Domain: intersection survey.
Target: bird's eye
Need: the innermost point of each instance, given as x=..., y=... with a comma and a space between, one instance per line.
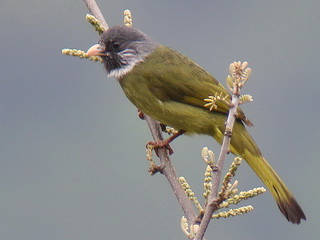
x=116, y=45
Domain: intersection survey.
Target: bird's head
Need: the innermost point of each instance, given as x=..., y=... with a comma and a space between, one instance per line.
x=121, y=49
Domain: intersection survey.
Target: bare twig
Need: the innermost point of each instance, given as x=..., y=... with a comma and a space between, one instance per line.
x=214, y=200
x=169, y=172
x=95, y=11
x=167, y=168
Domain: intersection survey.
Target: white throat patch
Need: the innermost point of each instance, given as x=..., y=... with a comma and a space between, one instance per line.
x=120, y=72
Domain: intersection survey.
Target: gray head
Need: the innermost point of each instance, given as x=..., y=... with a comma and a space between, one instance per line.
x=121, y=48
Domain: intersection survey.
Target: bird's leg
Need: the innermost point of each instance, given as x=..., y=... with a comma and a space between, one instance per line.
x=162, y=143
x=162, y=126
x=165, y=143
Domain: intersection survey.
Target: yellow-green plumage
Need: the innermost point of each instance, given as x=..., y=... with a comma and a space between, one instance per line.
x=171, y=88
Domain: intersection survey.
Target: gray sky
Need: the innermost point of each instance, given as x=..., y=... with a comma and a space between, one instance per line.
x=72, y=156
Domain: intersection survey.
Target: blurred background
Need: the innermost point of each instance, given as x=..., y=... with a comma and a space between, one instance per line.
x=72, y=149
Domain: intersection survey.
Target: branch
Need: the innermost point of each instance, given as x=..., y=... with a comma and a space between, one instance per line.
x=171, y=175
x=237, y=71
x=167, y=170
x=95, y=11
x=197, y=224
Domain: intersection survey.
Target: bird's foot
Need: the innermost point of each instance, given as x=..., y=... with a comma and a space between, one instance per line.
x=161, y=144
x=165, y=143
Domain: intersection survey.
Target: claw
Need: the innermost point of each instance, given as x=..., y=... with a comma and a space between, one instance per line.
x=160, y=144
x=165, y=143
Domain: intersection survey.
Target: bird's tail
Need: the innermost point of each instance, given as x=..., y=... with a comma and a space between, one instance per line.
x=242, y=144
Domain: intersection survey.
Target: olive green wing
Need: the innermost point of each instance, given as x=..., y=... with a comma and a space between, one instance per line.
x=184, y=81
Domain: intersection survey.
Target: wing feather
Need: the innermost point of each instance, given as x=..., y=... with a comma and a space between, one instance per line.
x=184, y=81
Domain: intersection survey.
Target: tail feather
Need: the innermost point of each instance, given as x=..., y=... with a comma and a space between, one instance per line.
x=284, y=198
x=242, y=144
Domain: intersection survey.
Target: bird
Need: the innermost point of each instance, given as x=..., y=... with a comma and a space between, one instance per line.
x=171, y=88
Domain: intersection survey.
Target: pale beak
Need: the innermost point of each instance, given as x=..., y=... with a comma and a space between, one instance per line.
x=96, y=50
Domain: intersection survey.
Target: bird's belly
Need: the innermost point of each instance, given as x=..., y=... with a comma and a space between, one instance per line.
x=178, y=115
